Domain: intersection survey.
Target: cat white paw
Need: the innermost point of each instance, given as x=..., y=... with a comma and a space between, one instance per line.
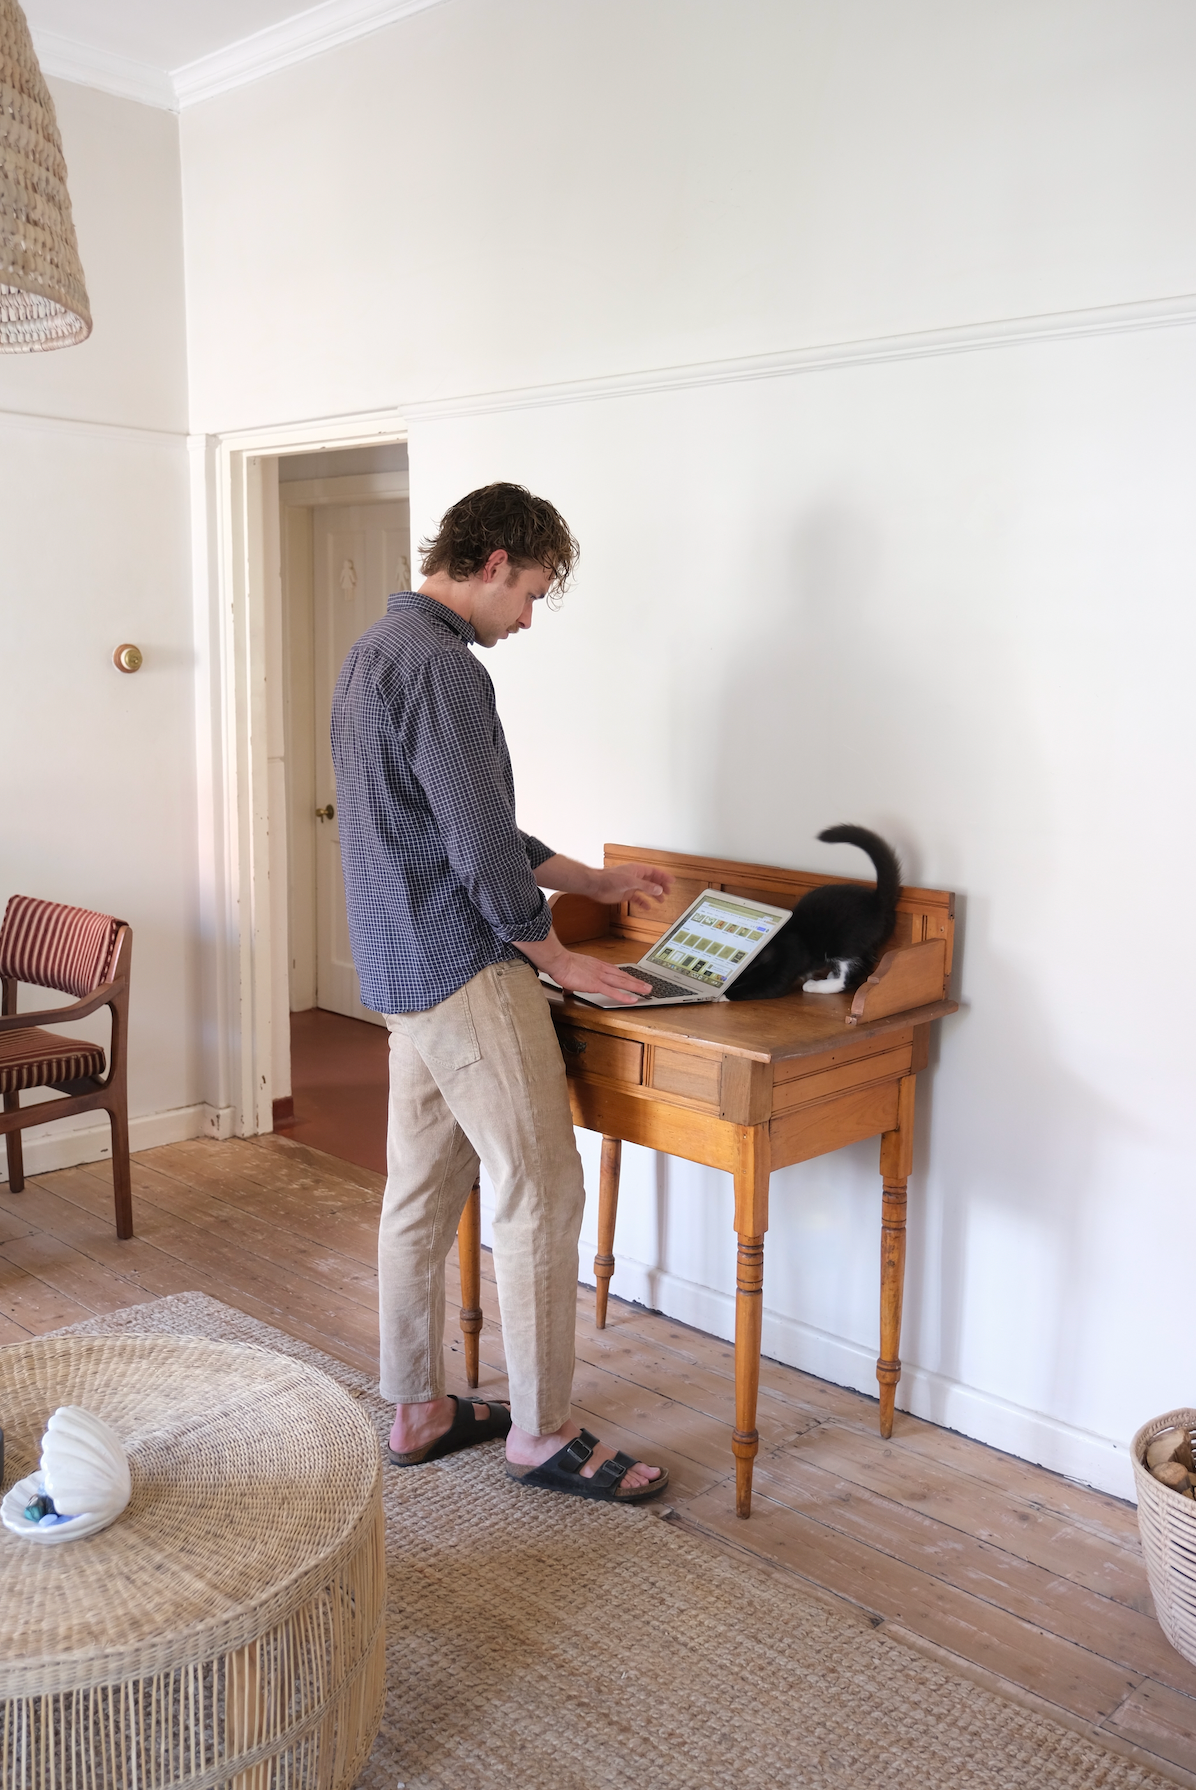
x=832, y=985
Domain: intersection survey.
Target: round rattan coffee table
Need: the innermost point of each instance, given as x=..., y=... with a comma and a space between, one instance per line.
x=227, y=1630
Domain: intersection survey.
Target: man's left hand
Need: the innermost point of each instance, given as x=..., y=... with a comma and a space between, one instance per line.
x=622, y=881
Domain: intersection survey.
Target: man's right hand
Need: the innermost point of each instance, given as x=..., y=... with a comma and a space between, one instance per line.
x=589, y=975
x=583, y=975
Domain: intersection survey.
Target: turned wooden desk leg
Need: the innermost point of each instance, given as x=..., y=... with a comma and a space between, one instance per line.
x=896, y=1159
x=469, y=1257
x=608, y=1208
x=751, y=1222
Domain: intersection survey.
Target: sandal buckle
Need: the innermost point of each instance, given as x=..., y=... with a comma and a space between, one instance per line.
x=576, y=1453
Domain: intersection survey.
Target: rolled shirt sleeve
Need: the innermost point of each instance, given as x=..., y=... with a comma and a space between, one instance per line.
x=537, y=852
x=439, y=878
x=454, y=746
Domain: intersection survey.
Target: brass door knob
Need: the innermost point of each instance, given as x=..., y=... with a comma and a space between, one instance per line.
x=325, y=813
x=127, y=657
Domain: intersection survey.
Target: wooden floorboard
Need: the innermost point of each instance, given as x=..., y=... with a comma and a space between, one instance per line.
x=1021, y=1579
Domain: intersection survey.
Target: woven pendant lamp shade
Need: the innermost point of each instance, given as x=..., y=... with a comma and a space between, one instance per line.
x=43, y=300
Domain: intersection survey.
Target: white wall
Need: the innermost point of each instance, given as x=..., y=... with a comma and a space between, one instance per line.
x=949, y=596
x=947, y=601
x=494, y=195
x=124, y=181
x=100, y=803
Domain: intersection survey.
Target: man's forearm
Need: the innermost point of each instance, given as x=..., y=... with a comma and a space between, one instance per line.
x=584, y=975
x=613, y=883
x=546, y=954
x=567, y=875
x=576, y=970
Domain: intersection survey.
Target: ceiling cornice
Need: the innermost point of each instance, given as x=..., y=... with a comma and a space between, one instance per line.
x=71, y=61
x=321, y=28
x=308, y=34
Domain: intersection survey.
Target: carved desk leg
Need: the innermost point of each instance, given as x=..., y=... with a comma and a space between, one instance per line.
x=896, y=1159
x=469, y=1258
x=608, y=1207
x=751, y=1222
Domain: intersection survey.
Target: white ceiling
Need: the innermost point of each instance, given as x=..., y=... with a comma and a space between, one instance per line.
x=175, y=52
x=165, y=33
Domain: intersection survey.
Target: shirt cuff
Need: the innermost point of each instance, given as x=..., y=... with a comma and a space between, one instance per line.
x=533, y=931
x=537, y=852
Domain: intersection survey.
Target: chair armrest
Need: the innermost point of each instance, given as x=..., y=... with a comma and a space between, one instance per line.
x=102, y=996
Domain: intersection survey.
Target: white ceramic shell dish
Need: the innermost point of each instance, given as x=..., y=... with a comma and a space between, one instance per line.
x=84, y=1469
x=12, y=1514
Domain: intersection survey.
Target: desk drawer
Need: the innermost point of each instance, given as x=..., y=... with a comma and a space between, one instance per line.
x=682, y=1072
x=801, y=1090
x=597, y=1053
x=829, y=1124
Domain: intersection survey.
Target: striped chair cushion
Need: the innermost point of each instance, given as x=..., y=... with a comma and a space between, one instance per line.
x=36, y=1059
x=67, y=948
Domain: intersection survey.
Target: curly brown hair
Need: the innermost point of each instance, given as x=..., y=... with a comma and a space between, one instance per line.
x=503, y=516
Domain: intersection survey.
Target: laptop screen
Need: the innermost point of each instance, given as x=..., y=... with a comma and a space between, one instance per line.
x=715, y=937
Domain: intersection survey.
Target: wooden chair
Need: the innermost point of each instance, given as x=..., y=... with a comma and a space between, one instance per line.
x=72, y=951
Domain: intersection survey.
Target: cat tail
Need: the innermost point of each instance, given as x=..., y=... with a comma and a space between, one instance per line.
x=885, y=861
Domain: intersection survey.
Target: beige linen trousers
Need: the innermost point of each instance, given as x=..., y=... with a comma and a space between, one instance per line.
x=480, y=1077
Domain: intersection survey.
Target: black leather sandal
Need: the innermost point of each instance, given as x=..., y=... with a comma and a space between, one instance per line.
x=464, y=1431
x=562, y=1473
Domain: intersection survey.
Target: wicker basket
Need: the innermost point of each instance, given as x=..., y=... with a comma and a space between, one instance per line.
x=1167, y=1524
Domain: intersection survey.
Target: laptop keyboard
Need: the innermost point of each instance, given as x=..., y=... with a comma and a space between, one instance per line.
x=659, y=986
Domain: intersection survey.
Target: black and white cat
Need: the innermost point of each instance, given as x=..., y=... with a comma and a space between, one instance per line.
x=832, y=939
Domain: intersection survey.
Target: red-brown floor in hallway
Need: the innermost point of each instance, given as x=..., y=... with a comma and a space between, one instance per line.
x=339, y=1085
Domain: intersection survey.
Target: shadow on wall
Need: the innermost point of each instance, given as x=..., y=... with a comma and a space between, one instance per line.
x=844, y=692
x=1017, y=1174
x=781, y=678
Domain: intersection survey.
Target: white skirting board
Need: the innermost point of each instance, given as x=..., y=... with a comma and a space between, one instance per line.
x=1045, y=1441
x=54, y=1146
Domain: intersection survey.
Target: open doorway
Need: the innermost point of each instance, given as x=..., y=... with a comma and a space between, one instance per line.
x=345, y=524
x=345, y=546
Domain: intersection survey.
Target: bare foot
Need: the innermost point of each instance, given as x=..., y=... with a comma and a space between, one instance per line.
x=418, y=1426
x=526, y=1450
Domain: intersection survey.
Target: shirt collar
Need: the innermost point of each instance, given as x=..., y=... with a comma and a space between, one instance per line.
x=438, y=612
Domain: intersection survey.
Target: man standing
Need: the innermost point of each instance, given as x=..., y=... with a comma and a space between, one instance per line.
x=449, y=927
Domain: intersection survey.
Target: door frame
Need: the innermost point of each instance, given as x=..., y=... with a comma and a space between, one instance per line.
x=300, y=500
x=242, y=860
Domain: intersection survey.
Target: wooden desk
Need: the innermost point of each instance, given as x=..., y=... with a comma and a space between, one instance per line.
x=752, y=1086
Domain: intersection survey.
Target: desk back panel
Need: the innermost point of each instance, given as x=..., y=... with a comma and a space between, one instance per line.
x=922, y=914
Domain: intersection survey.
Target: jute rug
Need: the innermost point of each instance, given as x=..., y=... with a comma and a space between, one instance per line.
x=540, y=1643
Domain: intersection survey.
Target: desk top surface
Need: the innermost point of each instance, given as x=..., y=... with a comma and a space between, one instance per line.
x=796, y=1025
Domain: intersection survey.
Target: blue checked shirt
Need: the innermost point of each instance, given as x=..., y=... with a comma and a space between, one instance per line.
x=438, y=877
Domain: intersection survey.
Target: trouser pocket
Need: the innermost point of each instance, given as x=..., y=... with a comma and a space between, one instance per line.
x=446, y=1035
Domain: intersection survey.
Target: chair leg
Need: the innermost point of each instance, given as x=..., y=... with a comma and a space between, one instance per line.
x=469, y=1257
x=16, y=1156
x=122, y=1181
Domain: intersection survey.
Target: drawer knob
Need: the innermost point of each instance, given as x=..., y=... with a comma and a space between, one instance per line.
x=575, y=1046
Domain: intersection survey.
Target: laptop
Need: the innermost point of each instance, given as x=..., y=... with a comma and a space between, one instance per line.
x=701, y=954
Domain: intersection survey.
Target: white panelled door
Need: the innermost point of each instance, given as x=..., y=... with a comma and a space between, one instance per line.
x=362, y=553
